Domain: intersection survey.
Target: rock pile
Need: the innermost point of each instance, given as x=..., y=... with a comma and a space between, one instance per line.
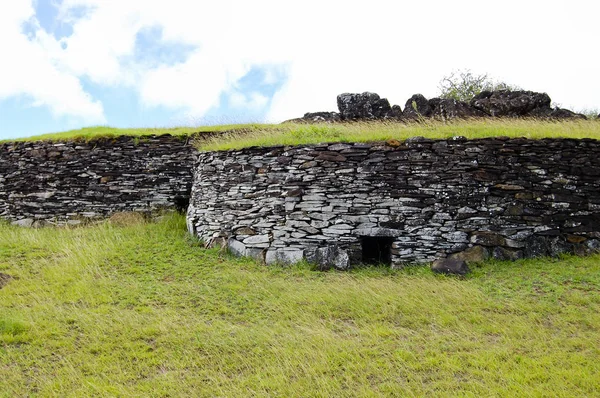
x=502, y=103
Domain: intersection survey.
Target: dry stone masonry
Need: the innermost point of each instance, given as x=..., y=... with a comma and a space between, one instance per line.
x=67, y=182
x=400, y=203
x=453, y=201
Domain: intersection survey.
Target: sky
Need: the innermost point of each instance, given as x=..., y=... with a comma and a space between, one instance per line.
x=67, y=64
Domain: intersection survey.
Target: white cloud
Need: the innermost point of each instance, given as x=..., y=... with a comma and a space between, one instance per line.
x=395, y=48
x=253, y=101
x=28, y=69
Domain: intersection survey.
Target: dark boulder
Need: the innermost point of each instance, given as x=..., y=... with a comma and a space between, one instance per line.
x=363, y=106
x=560, y=113
x=512, y=103
x=537, y=246
x=416, y=106
x=442, y=108
x=450, y=266
x=396, y=112
x=503, y=254
x=472, y=255
x=556, y=113
x=322, y=117
x=317, y=117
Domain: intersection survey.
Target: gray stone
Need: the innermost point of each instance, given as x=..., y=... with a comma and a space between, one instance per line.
x=256, y=253
x=284, y=256
x=363, y=106
x=257, y=239
x=502, y=254
x=329, y=257
x=236, y=247
x=487, y=239
x=26, y=223
x=537, y=246
x=416, y=106
x=512, y=103
x=456, y=237
x=245, y=231
x=450, y=266
x=447, y=109
x=593, y=245
x=378, y=232
x=472, y=255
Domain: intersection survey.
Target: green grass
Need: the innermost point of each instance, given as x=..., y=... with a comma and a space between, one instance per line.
x=89, y=133
x=247, y=135
x=296, y=134
x=144, y=310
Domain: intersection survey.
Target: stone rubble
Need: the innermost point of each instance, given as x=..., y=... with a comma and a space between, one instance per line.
x=502, y=103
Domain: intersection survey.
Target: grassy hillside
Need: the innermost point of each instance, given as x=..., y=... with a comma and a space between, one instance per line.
x=240, y=136
x=143, y=310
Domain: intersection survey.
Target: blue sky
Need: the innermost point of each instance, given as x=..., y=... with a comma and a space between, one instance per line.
x=151, y=63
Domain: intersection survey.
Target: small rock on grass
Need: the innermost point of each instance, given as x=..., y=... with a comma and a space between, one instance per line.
x=451, y=266
x=4, y=279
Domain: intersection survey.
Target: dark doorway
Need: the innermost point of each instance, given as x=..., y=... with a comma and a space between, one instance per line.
x=181, y=203
x=377, y=250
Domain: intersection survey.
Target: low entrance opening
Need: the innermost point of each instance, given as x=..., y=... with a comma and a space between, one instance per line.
x=377, y=250
x=181, y=203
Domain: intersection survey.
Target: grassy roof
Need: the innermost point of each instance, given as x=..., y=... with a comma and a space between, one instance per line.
x=297, y=134
x=247, y=135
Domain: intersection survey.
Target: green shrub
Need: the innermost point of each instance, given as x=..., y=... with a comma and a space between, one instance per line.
x=463, y=85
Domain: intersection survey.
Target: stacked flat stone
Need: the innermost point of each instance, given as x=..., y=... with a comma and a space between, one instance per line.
x=69, y=182
x=500, y=197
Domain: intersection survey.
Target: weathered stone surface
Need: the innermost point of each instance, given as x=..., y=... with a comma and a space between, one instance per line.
x=560, y=113
x=256, y=239
x=501, y=103
x=283, y=256
x=25, y=222
x=416, y=106
x=446, y=109
x=593, y=245
x=60, y=183
x=363, y=106
x=329, y=257
x=236, y=247
x=503, y=254
x=512, y=103
x=378, y=232
x=256, y=253
x=424, y=199
x=317, y=117
x=537, y=246
x=450, y=266
x=473, y=255
x=487, y=239
x=245, y=231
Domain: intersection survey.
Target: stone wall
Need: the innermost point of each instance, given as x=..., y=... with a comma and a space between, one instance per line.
x=399, y=203
x=65, y=182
